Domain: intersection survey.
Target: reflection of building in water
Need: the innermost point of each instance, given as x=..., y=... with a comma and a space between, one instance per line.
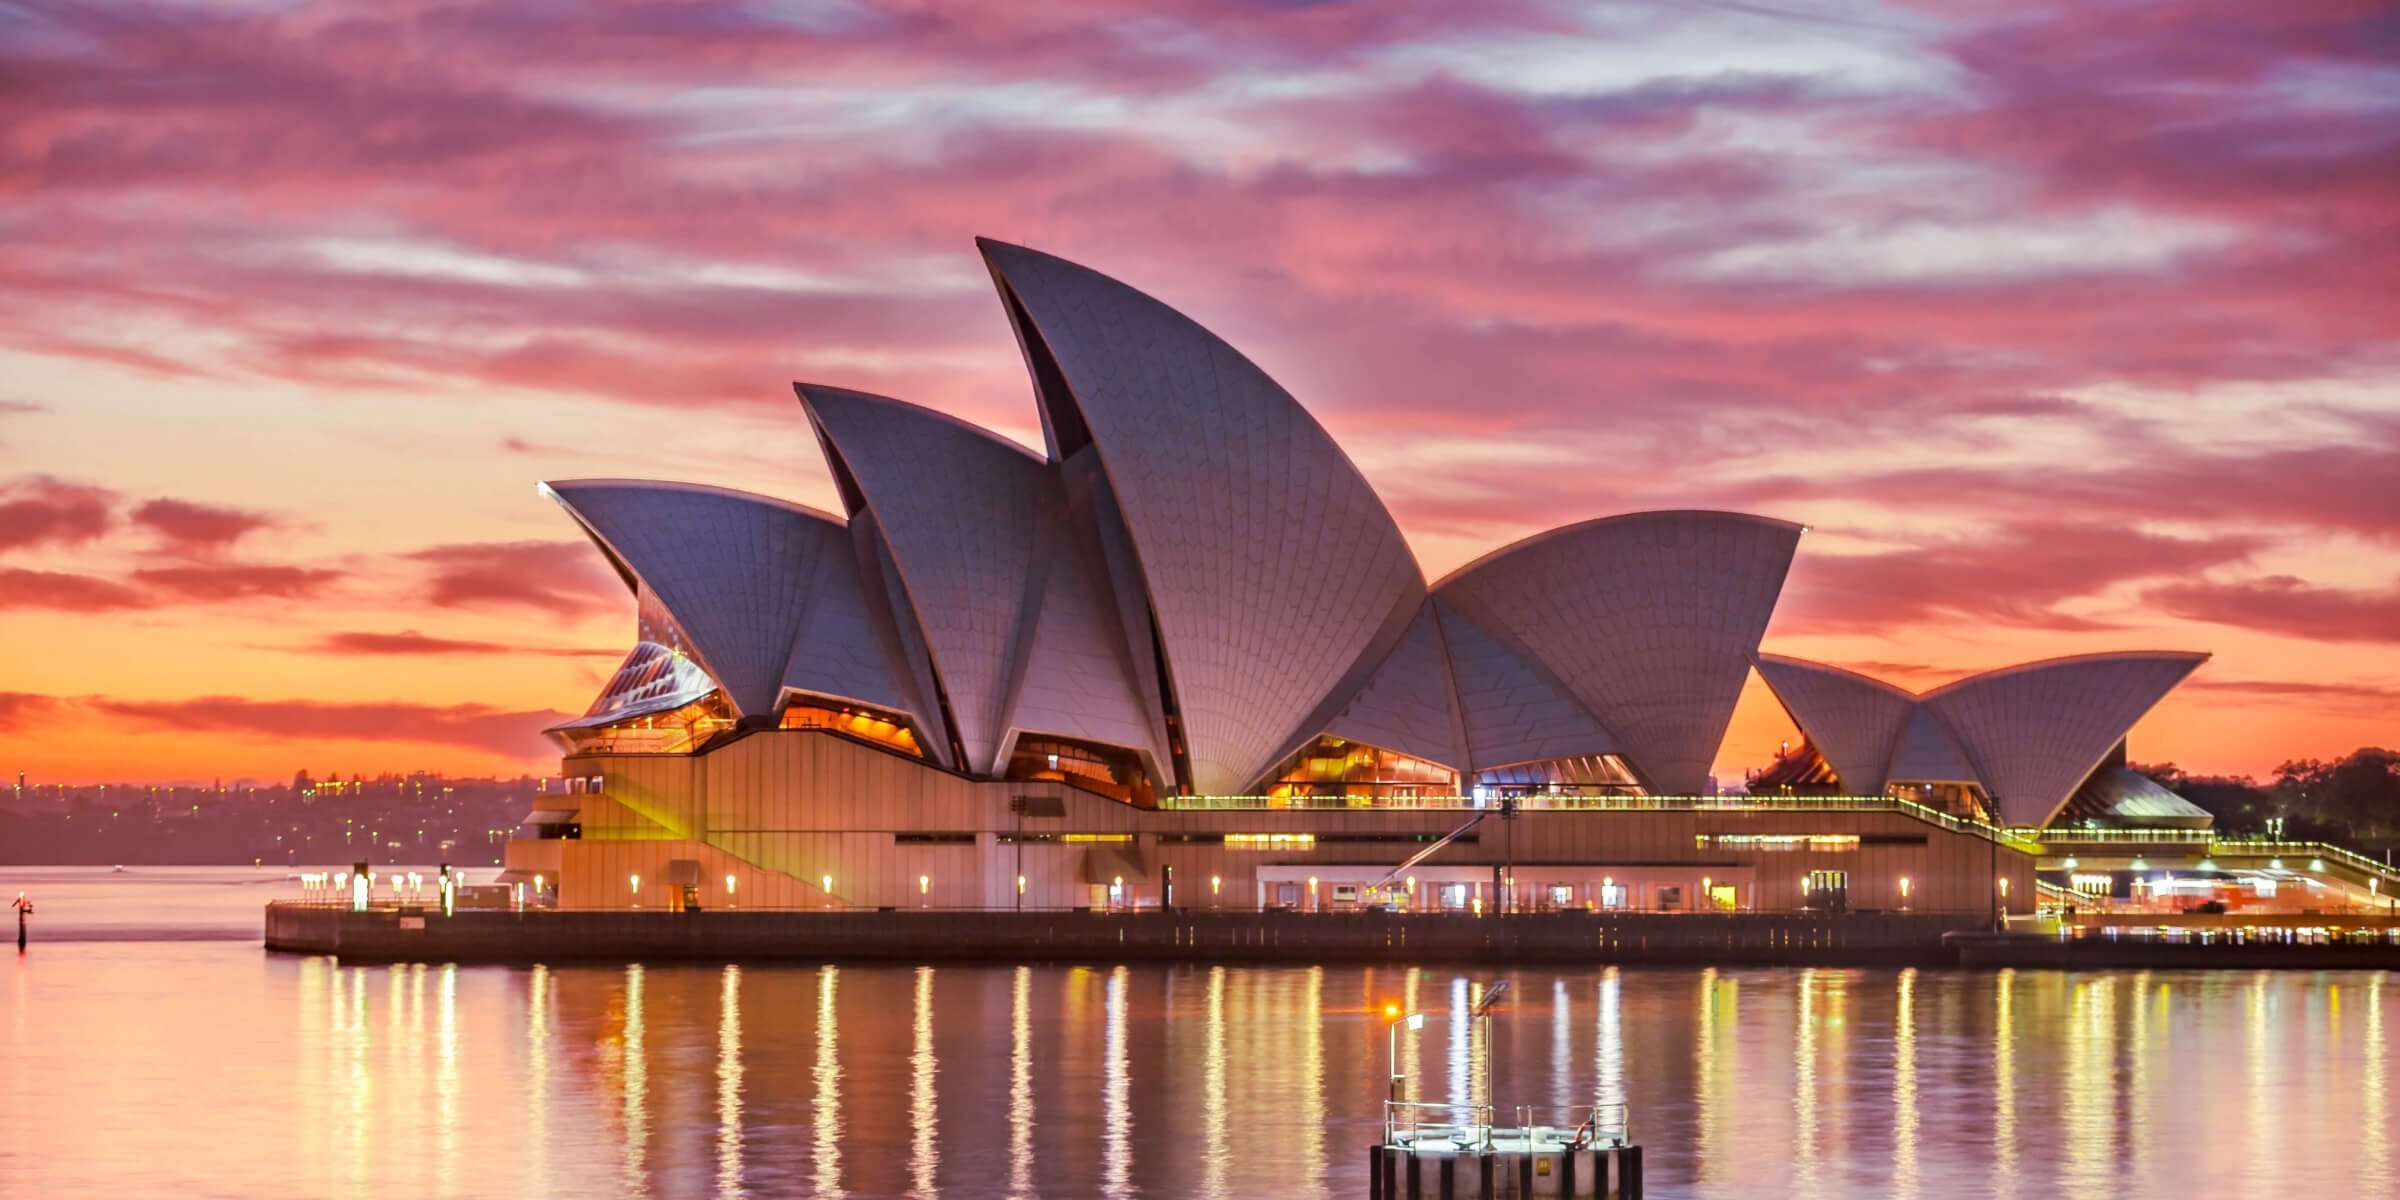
x=1188, y=647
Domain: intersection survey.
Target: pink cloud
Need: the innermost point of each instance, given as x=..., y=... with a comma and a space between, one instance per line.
x=2289, y=606
x=411, y=642
x=192, y=528
x=66, y=591
x=40, y=510
x=469, y=726
x=561, y=578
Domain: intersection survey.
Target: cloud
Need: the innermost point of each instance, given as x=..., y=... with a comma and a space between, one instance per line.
x=40, y=510
x=411, y=642
x=187, y=527
x=216, y=583
x=64, y=591
x=2019, y=575
x=562, y=578
x=2289, y=606
x=19, y=710
x=17, y=408
x=466, y=726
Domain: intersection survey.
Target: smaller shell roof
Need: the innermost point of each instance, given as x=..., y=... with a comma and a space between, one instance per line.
x=1649, y=619
x=733, y=569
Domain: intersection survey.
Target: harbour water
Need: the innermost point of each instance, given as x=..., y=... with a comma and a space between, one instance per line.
x=148, y=1046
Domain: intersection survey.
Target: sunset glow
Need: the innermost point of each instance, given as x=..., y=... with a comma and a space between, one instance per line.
x=2064, y=330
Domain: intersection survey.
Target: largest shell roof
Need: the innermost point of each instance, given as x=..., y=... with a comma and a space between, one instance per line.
x=1194, y=573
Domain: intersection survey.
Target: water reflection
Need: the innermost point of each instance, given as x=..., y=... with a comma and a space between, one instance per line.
x=828, y=1077
x=1116, y=1113
x=923, y=1115
x=1904, y=1086
x=635, y=1077
x=729, y=1084
x=1219, y=1081
x=1020, y=1078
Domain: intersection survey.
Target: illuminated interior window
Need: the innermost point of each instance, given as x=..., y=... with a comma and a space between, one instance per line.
x=1579, y=775
x=1103, y=770
x=1820, y=842
x=1331, y=766
x=1270, y=841
x=856, y=721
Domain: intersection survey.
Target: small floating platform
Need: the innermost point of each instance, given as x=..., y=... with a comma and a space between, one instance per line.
x=1456, y=1153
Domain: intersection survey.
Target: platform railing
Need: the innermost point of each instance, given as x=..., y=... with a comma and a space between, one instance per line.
x=1545, y=802
x=1573, y=1127
x=1413, y=1123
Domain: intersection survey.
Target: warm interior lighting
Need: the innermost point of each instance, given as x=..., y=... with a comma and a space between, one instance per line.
x=1020, y=885
x=1216, y=884
x=1270, y=841
x=886, y=730
x=924, y=884
x=1391, y=1012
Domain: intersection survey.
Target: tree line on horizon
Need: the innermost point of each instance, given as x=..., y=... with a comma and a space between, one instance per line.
x=2353, y=800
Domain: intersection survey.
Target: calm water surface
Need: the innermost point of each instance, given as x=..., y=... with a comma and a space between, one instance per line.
x=138, y=1057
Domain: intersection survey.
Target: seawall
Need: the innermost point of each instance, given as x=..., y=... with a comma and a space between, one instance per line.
x=485, y=936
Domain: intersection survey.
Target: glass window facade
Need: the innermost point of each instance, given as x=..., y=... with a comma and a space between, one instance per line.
x=1331, y=766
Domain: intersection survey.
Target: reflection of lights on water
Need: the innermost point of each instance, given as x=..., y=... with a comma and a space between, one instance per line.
x=828, y=1078
x=923, y=1112
x=2375, y=1101
x=1804, y=1086
x=538, y=988
x=637, y=1087
x=1020, y=1084
x=1212, y=1100
x=1116, y=1097
x=1904, y=1086
x=729, y=1079
x=2004, y=1082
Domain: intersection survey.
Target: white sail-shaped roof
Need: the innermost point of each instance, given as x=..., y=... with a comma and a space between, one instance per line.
x=2035, y=731
x=1650, y=619
x=1408, y=703
x=1275, y=574
x=963, y=511
x=845, y=647
x=732, y=568
x=1927, y=753
x=1513, y=711
x=1854, y=721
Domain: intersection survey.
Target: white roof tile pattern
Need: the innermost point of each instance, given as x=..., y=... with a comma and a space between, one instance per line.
x=842, y=650
x=1079, y=680
x=1407, y=704
x=1651, y=620
x=1927, y=753
x=1854, y=721
x=963, y=511
x=1513, y=711
x=904, y=643
x=1272, y=567
x=734, y=569
x=2035, y=731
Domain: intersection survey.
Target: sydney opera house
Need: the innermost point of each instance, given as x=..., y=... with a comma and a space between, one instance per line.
x=1186, y=656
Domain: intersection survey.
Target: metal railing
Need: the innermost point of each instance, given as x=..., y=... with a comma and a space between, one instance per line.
x=1554, y=1127
x=2022, y=839
x=1427, y=1124
x=2214, y=845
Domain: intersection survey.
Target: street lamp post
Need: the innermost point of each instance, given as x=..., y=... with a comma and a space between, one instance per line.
x=1415, y=1021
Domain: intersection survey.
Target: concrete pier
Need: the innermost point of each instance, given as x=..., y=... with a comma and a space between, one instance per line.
x=409, y=935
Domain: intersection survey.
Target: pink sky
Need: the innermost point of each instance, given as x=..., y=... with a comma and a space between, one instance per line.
x=2065, y=328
